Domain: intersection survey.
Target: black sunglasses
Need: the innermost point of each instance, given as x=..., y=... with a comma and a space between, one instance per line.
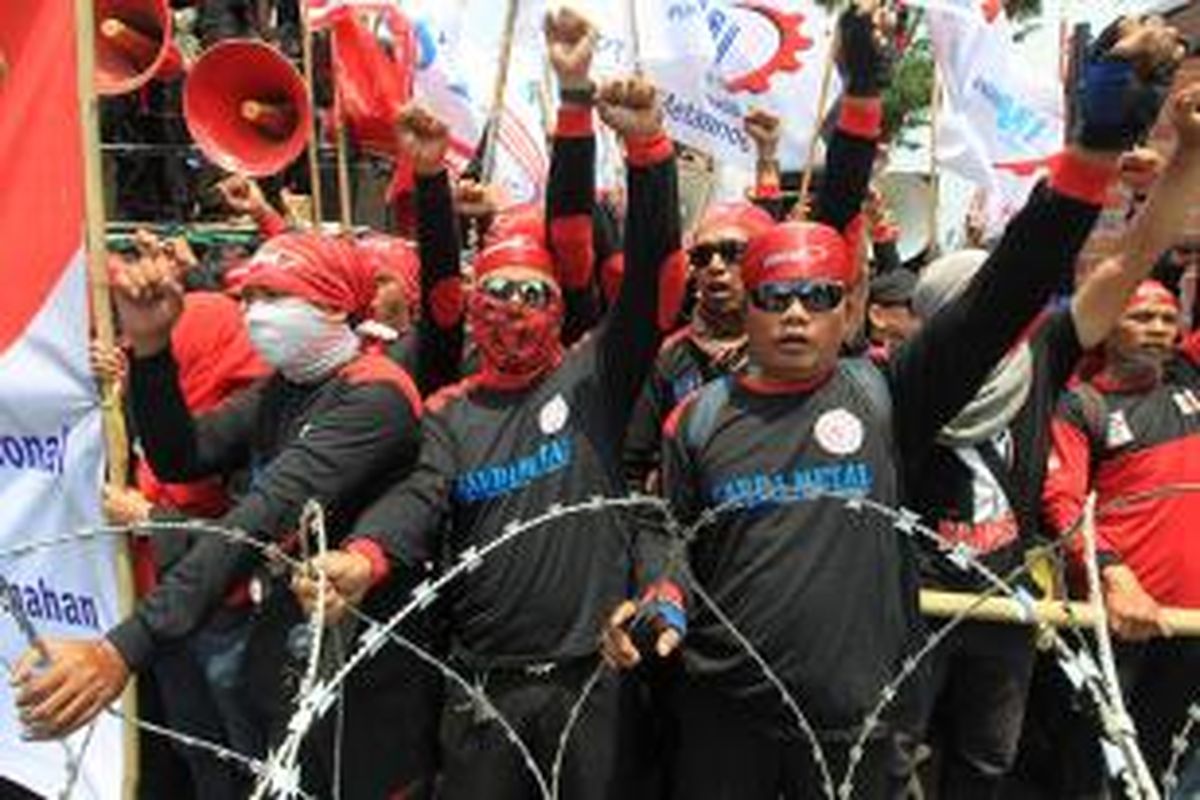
x=815, y=295
x=531, y=293
x=730, y=251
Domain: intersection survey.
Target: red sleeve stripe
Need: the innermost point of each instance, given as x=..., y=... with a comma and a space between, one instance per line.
x=575, y=122
x=446, y=302
x=648, y=151
x=1081, y=179
x=571, y=239
x=380, y=566
x=862, y=118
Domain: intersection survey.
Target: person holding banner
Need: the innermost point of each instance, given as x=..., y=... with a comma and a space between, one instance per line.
x=536, y=427
x=333, y=425
x=827, y=594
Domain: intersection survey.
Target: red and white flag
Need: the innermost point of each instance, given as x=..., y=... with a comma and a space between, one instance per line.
x=323, y=13
x=51, y=451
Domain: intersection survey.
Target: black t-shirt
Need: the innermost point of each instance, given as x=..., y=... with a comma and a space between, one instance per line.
x=956, y=489
x=680, y=369
x=492, y=457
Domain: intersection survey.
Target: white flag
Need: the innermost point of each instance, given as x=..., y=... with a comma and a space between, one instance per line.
x=1001, y=122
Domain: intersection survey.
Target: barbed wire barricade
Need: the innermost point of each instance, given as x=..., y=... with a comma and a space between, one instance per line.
x=320, y=687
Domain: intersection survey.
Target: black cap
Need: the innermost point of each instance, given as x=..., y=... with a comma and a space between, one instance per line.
x=894, y=287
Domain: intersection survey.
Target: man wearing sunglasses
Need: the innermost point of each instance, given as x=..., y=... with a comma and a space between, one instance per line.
x=536, y=427
x=712, y=345
x=824, y=589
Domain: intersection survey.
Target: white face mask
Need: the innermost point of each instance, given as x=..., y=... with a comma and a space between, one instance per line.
x=298, y=339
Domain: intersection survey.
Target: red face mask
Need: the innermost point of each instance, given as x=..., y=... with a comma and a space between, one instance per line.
x=517, y=343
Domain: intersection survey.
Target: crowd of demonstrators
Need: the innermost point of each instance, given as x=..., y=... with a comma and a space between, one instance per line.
x=430, y=391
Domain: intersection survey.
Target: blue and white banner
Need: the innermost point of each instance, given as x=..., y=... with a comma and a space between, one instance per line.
x=51, y=452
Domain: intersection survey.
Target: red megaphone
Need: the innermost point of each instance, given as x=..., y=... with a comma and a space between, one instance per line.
x=133, y=45
x=247, y=107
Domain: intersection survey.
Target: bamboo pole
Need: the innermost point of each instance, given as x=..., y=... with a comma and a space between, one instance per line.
x=810, y=160
x=345, y=200
x=115, y=436
x=496, y=112
x=635, y=36
x=1056, y=613
x=314, y=143
x=935, y=107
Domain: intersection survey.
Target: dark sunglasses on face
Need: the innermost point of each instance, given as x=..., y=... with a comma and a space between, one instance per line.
x=816, y=296
x=530, y=293
x=730, y=251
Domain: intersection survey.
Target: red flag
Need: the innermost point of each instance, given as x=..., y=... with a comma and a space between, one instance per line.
x=374, y=84
x=41, y=158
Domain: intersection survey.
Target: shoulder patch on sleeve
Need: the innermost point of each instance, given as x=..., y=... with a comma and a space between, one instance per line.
x=375, y=368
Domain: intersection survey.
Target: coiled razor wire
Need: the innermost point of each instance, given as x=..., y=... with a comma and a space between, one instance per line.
x=279, y=776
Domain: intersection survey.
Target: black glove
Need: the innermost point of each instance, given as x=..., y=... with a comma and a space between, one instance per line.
x=1114, y=106
x=866, y=66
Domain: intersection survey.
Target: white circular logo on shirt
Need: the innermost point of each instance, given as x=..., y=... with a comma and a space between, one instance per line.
x=553, y=416
x=839, y=432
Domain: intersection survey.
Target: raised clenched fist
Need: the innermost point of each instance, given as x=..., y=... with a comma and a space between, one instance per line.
x=149, y=299
x=424, y=137
x=631, y=107
x=242, y=195
x=570, y=44
x=764, y=128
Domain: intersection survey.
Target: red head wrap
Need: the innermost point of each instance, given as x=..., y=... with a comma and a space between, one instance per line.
x=1151, y=292
x=396, y=257
x=516, y=251
x=741, y=216
x=320, y=269
x=797, y=250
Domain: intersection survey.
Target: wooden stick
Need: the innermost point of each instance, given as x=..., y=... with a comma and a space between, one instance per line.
x=314, y=159
x=345, y=199
x=935, y=104
x=496, y=113
x=115, y=436
x=635, y=35
x=1057, y=613
x=810, y=162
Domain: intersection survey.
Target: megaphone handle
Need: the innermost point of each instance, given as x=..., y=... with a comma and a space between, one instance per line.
x=274, y=119
x=139, y=47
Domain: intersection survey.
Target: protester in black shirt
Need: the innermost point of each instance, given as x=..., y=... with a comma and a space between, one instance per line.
x=714, y=344
x=331, y=425
x=827, y=594
x=536, y=427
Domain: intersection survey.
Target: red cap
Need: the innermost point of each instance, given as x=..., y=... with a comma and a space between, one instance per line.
x=737, y=215
x=323, y=270
x=516, y=251
x=396, y=257
x=796, y=250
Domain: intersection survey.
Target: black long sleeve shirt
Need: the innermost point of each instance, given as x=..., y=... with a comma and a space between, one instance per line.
x=341, y=441
x=828, y=594
x=491, y=457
